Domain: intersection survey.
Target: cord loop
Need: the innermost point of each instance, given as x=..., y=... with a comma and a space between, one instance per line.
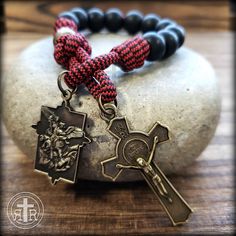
x=73, y=52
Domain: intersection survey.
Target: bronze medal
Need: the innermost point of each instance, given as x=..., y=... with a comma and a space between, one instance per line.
x=61, y=137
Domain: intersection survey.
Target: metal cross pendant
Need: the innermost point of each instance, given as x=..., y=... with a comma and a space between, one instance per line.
x=135, y=150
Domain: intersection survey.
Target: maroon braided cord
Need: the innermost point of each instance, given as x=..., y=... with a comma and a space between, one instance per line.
x=73, y=52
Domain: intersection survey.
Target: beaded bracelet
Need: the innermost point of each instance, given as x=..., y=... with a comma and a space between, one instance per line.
x=160, y=40
x=61, y=130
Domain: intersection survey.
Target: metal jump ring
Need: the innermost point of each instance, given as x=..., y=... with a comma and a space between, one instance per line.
x=66, y=93
x=111, y=112
x=108, y=108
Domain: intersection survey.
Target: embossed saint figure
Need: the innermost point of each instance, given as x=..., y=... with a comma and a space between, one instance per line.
x=55, y=142
x=61, y=136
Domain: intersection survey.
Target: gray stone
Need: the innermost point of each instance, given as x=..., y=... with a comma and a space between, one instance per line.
x=180, y=93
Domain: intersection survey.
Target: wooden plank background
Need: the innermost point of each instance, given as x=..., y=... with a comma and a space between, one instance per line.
x=38, y=16
x=92, y=208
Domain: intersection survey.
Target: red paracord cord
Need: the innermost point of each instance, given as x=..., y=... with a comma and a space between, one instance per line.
x=74, y=53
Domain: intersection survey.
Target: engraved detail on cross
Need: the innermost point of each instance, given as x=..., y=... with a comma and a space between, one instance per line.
x=135, y=150
x=130, y=146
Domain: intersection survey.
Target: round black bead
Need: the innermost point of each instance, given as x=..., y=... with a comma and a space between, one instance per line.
x=82, y=16
x=95, y=19
x=171, y=42
x=157, y=46
x=133, y=21
x=179, y=31
x=150, y=22
x=163, y=23
x=70, y=16
x=114, y=19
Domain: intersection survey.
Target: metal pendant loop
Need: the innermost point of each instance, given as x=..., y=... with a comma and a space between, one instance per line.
x=108, y=110
x=66, y=93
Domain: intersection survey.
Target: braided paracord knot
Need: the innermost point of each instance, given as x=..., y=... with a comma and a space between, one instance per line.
x=73, y=51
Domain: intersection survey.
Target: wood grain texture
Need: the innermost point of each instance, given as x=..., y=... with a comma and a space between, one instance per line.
x=38, y=16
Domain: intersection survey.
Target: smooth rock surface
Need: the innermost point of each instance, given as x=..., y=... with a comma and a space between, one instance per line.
x=180, y=93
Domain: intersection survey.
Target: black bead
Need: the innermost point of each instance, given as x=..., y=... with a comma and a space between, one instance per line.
x=171, y=42
x=133, y=21
x=157, y=44
x=163, y=23
x=70, y=16
x=179, y=31
x=95, y=19
x=82, y=16
x=114, y=19
x=150, y=22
